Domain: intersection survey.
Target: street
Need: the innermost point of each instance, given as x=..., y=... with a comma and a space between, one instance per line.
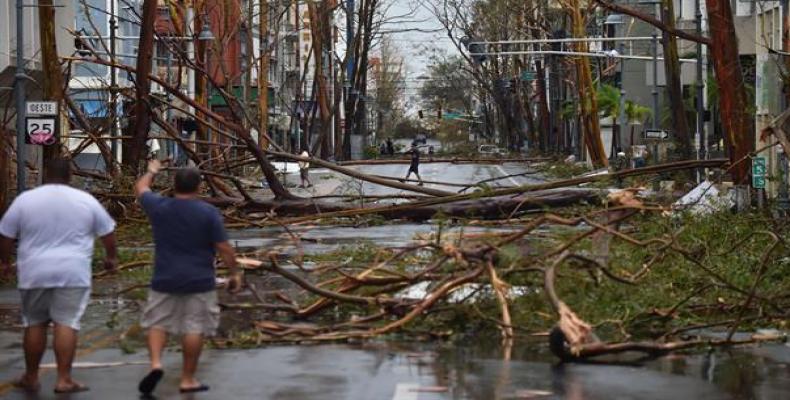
x=378, y=371
x=327, y=182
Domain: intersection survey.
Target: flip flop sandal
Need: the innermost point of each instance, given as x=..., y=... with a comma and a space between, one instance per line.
x=201, y=388
x=28, y=388
x=74, y=389
x=149, y=382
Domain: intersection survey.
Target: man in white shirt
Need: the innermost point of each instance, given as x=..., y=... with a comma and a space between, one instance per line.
x=304, y=168
x=55, y=226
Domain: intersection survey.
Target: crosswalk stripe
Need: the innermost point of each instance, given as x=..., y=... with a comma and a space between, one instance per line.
x=406, y=391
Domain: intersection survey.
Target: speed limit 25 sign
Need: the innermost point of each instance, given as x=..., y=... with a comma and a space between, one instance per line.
x=42, y=130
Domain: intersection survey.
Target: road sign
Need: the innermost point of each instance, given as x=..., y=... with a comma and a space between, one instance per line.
x=528, y=76
x=41, y=108
x=758, y=172
x=656, y=134
x=41, y=130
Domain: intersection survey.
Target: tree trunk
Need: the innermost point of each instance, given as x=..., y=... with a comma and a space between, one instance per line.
x=669, y=42
x=318, y=25
x=588, y=104
x=735, y=118
x=53, y=76
x=142, y=105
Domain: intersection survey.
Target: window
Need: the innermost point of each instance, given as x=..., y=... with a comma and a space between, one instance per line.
x=88, y=15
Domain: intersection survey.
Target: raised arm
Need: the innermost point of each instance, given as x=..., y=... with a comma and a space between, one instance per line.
x=144, y=183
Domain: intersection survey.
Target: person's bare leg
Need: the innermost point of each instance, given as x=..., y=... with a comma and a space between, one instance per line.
x=191, y=345
x=34, y=341
x=156, y=343
x=65, y=346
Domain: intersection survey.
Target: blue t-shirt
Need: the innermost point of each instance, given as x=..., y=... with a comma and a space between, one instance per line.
x=185, y=233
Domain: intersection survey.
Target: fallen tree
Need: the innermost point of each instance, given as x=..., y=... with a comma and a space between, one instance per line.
x=438, y=279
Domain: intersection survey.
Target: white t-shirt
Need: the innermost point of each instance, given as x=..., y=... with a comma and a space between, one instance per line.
x=304, y=164
x=56, y=226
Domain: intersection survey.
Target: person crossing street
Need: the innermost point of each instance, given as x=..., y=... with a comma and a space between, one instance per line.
x=55, y=227
x=414, y=165
x=188, y=232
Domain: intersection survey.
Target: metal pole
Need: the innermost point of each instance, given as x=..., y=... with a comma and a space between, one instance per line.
x=703, y=149
x=113, y=85
x=190, y=24
x=19, y=83
x=654, y=125
x=622, y=118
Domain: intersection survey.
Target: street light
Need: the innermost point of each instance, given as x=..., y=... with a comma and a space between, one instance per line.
x=614, y=19
x=657, y=12
x=205, y=32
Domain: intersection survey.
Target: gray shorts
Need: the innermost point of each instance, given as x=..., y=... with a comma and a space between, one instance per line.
x=63, y=306
x=182, y=313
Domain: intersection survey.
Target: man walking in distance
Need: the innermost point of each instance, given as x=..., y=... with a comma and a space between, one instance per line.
x=56, y=226
x=414, y=166
x=304, y=170
x=188, y=232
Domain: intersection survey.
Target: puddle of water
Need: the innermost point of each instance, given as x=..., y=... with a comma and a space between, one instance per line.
x=479, y=372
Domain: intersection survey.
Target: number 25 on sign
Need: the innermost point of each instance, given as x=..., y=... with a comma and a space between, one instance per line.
x=41, y=131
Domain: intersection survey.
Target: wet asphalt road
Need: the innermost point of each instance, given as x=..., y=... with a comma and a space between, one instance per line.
x=390, y=372
x=445, y=172
x=404, y=372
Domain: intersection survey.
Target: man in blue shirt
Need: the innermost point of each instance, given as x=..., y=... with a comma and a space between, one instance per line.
x=188, y=232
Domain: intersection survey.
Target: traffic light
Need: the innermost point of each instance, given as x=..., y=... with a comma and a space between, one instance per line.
x=419, y=114
x=475, y=49
x=80, y=47
x=439, y=113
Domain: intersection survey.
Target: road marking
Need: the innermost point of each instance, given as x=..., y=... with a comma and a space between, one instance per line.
x=406, y=391
x=504, y=173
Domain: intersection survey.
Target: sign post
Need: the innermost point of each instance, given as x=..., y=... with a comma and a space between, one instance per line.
x=758, y=172
x=656, y=136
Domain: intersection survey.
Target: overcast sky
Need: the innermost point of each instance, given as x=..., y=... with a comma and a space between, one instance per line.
x=415, y=46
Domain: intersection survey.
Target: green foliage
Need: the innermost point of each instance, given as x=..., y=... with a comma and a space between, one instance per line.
x=608, y=98
x=636, y=113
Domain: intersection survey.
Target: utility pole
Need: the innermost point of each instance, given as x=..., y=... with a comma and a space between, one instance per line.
x=19, y=83
x=263, y=75
x=702, y=151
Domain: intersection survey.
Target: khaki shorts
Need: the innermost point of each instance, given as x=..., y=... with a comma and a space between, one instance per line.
x=63, y=306
x=194, y=313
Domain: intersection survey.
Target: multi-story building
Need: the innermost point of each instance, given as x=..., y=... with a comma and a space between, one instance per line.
x=112, y=26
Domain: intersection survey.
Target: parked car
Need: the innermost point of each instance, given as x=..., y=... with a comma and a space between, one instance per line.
x=489, y=150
